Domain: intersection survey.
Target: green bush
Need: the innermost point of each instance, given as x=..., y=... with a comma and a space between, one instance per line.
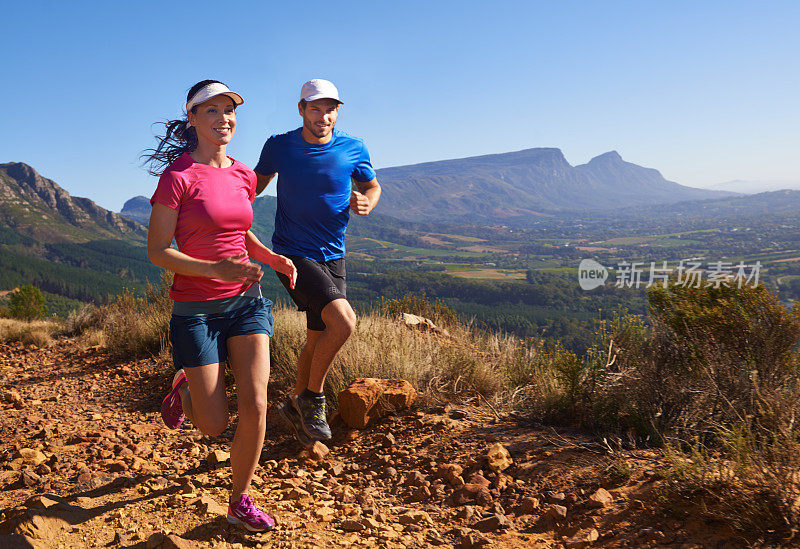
x=27, y=303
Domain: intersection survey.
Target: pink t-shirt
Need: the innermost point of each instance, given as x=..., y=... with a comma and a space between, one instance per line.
x=214, y=212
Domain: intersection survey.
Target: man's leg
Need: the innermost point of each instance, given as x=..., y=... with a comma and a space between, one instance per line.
x=309, y=400
x=340, y=322
x=304, y=361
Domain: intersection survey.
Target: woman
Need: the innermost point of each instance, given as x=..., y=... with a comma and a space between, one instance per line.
x=204, y=201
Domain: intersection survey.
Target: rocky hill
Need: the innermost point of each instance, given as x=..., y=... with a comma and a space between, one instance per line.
x=524, y=184
x=68, y=246
x=37, y=207
x=86, y=462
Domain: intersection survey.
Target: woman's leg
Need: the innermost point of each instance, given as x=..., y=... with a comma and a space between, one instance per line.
x=248, y=356
x=203, y=398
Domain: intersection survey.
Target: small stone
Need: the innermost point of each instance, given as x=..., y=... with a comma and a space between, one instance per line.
x=584, y=538
x=117, y=466
x=493, y=523
x=29, y=478
x=370, y=523
x=556, y=512
x=317, y=452
x=499, y=458
x=297, y=494
x=208, y=506
x=159, y=540
x=30, y=455
x=451, y=472
x=472, y=540
x=601, y=498
x=387, y=440
x=368, y=398
x=466, y=513
x=528, y=505
x=39, y=502
x=217, y=456
x=458, y=414
x=352, y=526
x=557, y=497
x=420, y=494
x=13, y=397
x=415, y=517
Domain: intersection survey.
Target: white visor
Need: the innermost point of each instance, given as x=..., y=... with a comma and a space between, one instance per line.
x=211, y=90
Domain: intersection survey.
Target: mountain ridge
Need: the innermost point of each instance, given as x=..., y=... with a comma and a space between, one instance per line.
x=528, y=182
x=38, y=207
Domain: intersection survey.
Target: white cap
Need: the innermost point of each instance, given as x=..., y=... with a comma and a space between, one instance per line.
x=211, y=90
x=319, y=89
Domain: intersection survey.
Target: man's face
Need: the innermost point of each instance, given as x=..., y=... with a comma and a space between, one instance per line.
x=319, y=117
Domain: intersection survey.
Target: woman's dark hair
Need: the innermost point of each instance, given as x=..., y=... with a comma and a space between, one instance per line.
x=177, y=139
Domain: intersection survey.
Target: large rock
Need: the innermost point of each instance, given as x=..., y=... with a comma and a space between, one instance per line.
x=369, y=398
x=422, y=323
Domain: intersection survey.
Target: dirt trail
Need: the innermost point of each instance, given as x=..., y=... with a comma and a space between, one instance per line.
x=86, y=462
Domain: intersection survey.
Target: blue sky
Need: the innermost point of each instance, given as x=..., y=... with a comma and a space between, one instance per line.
x=703, y=91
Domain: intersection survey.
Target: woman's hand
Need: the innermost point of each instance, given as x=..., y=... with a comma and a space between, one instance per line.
x=284, y=265
x=234, y=269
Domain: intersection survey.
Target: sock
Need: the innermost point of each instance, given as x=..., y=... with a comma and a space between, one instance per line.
x=309, y=394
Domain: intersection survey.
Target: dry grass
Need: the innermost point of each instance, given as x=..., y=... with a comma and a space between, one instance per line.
x=455, y=368
x=35, y=332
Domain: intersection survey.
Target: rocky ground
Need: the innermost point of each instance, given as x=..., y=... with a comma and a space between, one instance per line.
x=86, y=462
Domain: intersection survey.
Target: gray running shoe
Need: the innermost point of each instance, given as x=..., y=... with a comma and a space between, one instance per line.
x=291, y=417
x=312, y=412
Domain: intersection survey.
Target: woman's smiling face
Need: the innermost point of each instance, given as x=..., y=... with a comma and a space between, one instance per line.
x=215, y=120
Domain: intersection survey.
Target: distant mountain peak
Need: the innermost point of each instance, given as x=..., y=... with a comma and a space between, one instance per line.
x=137, y=209
x=609, y=157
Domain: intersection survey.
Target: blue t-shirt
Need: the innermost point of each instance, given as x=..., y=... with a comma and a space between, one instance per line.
x=313, y=191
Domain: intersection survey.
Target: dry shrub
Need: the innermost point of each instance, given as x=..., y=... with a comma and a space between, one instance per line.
x=139, y=326
x=35, y=332
x=715, y=375
x=85, y=318
x=709, y=360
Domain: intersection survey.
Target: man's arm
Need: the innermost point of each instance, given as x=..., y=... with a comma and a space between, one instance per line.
x=366, y=198
x=263, y=181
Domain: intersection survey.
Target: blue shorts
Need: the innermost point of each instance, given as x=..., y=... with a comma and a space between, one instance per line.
x=201, y=339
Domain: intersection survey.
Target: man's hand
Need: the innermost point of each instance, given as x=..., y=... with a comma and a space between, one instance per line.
x=359, y=203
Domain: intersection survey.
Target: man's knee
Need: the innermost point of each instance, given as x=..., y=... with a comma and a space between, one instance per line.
x=340, y=317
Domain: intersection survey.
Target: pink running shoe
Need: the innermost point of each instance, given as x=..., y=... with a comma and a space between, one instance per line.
x=171, y=407
x=244, y=512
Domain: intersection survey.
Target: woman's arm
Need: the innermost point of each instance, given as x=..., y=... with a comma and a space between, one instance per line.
x=261, y=253
x=159, y=238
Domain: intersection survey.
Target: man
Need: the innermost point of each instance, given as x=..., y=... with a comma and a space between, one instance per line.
x=315, y=164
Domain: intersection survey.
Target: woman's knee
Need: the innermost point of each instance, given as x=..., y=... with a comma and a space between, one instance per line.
x=253, y=409
x=213, y=425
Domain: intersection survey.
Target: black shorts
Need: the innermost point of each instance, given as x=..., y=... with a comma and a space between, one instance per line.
x=317, y=285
